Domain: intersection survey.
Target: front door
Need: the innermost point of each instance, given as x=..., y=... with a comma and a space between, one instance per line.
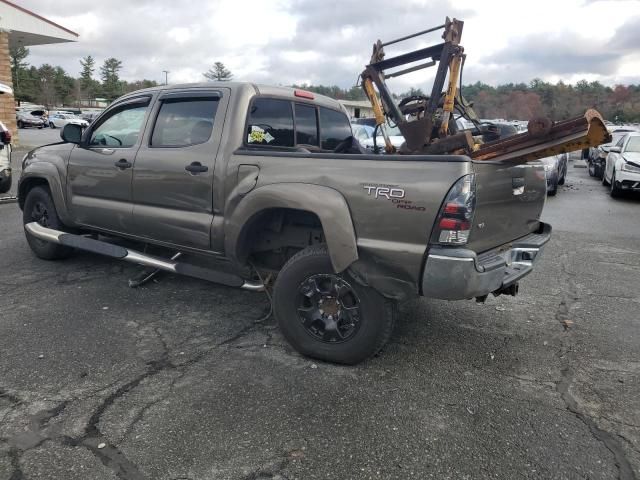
x=100, y=168
x=173, y=175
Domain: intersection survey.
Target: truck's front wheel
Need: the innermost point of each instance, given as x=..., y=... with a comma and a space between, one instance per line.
x=329, y=316
x=39, y=207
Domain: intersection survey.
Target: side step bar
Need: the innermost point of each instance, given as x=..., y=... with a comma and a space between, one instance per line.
x=133, y=256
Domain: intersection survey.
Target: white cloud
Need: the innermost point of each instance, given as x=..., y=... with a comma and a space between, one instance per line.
x=329, y=41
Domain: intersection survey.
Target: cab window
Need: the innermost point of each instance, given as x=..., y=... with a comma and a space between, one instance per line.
x=270, y=123
x=121, y=128
x=184, y=122
x=334, y=128
x=306, y=125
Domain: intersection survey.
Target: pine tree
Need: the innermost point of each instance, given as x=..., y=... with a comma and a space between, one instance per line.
x=110, y=79
x=218, y=72
x=18, y=66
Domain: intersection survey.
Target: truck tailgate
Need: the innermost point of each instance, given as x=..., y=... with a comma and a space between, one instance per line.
x=509, y=202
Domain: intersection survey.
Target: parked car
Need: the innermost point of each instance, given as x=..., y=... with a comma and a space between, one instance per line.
x=394, y=135
x=90, y=116
x=555, y=168
x=622, y=168
x=362, y=132
x=5, y=159
x=598, y=155
x=59, y=120
x=5, y=149
x=214, y=169
x=368, y=121
x=29, y=119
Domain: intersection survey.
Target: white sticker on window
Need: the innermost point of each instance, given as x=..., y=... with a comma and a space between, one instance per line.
x=258, y=135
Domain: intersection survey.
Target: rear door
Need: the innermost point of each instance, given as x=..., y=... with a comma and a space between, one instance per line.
x=509, y=202
x=174, y=169
x=100, y=169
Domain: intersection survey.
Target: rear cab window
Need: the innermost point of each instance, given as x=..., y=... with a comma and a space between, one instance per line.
x=270, y=123
x=334, y=128
x=276, y=122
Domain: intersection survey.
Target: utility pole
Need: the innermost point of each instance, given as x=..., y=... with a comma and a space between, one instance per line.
x=166, y=77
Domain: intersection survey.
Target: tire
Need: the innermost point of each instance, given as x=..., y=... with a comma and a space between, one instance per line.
x=592, y=169
x=599, y=172
x=306, y=283
x=51, y=125
x=561, y=179
x=39, y=206
x=614, y=191
x=554, y=190
x=20, y=124
x=5, y=181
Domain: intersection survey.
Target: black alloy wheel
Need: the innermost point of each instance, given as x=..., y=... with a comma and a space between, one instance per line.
x=328, y=308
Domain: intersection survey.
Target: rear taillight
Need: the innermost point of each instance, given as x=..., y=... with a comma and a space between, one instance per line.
x=5, y=137
x=456, y=215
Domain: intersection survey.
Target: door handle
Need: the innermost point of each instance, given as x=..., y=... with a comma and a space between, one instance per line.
x=195, y=168
x=122, y=164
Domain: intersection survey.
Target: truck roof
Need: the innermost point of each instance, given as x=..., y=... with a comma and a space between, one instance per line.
x=258, y=89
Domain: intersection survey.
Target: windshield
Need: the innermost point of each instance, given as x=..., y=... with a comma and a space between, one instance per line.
x=633, y=145
x=391, y=131
x=615, y=137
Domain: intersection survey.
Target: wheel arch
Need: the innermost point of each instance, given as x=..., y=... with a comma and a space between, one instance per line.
x=324, y=203
x=47, y=175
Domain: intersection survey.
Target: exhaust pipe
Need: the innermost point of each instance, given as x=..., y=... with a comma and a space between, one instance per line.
x=121, y=253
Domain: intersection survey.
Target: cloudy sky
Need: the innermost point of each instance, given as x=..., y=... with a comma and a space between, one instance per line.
x=329, y=41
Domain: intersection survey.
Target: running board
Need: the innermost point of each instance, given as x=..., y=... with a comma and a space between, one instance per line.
x=133, y=256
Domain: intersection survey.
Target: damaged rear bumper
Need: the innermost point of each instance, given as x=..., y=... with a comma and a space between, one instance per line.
x=459, y=273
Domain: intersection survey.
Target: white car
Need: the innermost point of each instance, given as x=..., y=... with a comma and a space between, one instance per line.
x=394, y=135
x=361, y=132
x=59, y=120
x=622, y=167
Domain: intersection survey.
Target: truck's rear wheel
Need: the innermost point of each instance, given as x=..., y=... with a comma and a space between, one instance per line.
x=329, y=316
x=39, y=207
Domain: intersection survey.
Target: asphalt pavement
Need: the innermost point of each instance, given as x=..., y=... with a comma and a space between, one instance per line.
x=182, y=379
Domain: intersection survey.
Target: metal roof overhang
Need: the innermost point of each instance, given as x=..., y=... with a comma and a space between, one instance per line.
x=27, y=28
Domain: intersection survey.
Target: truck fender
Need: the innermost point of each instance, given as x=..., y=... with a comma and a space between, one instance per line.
x=38, y=174
x=328, y=204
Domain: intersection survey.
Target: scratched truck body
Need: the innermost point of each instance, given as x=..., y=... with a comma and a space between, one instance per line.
x=245, y=181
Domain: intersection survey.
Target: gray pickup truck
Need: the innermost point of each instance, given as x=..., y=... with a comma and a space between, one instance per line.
x=245, y=182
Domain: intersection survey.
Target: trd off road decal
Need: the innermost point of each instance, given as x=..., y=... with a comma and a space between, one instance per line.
x=392, y=193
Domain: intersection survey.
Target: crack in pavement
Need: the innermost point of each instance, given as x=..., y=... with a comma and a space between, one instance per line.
x=31, y=438
x=625, y=471
x=569, y=297
x=92, y=438
x=609, y=440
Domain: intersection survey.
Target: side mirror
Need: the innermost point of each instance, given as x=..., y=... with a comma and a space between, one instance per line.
x=71, y=133
x=615, y=150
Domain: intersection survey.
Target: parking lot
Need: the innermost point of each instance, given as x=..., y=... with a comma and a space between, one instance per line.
x=183, y=379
